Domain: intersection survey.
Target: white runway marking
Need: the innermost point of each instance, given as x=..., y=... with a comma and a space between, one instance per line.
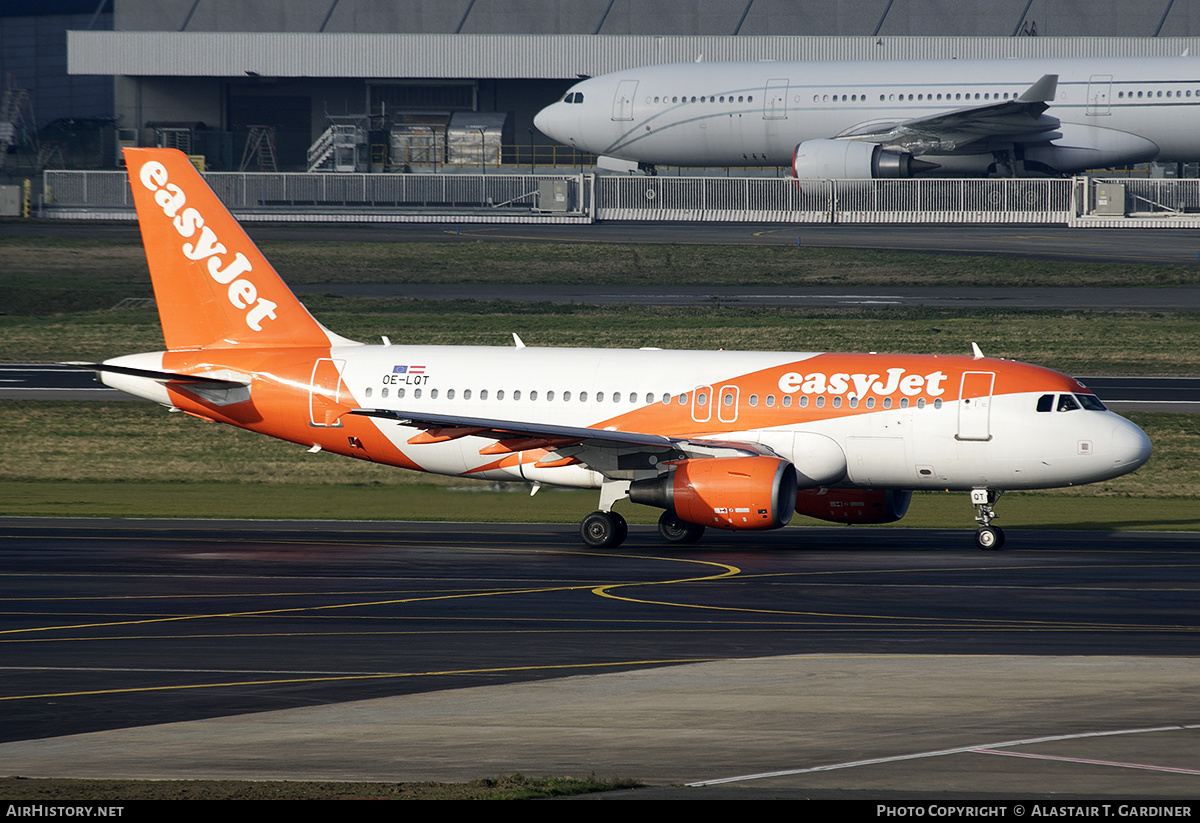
x=1119, y=764
x=984, y=749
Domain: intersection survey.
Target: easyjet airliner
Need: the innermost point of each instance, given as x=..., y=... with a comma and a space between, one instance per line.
x=722, y=439
x=898, y=118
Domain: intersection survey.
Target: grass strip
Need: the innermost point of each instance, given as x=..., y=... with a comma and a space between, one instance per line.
x=109, y=265
x=512, y=504
x=512, y=787
x=123, y=443
x=86, y=459
x=1076, y=342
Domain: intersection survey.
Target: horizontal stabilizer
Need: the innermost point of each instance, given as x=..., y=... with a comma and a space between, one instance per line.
x=165, y=376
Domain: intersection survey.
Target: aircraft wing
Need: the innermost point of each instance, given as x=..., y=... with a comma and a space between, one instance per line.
x=602, y=449
x=1021, y=119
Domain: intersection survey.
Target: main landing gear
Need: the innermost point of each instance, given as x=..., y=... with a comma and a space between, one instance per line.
x=603, y=530
x=607, y=530
x=989, y=537
x=674, y=530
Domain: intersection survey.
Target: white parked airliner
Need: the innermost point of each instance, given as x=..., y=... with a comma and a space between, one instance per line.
x=864, y=119
x=731, y=440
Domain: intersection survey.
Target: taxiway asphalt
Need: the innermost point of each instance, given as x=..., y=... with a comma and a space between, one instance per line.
x=849, y=662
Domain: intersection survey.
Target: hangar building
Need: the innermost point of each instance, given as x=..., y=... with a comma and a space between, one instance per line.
x=408, y=79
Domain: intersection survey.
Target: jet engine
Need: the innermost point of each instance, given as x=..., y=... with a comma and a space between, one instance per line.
x=854, y=505
x=850, y=160
x=737, y=493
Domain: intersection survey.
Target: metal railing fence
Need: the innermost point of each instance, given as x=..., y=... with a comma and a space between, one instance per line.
x=1158, y=196
x=720, y=199
x=934, y=200
x=586, y=197
x=305, y=195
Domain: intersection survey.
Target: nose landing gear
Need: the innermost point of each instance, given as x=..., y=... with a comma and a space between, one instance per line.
x=989, y=537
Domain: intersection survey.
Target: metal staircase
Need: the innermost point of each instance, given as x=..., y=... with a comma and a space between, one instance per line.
x=260, y=148
x=337, y=149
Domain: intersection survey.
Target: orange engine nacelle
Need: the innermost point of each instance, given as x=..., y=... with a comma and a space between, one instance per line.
x=726, y=493
x=854, y=505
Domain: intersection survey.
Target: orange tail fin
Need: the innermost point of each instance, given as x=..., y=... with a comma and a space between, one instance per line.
x=213, y=286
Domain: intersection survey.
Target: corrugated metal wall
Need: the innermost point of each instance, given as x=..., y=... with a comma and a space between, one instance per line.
x=214, y=54
x=755, y=18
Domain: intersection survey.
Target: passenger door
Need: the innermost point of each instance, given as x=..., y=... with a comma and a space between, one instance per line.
x=975, y=405
x=623, y=101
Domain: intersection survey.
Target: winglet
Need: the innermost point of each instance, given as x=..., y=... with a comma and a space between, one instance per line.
x=1042, y=91
x=975, y=350
x=213, y=286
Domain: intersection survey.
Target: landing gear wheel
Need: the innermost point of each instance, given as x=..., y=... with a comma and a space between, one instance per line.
x=622, y=528
x=603, y=530
x=674, y=530
x=990, y=538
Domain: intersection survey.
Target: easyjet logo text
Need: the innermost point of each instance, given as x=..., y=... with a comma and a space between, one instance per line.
x=242, y=292
x=894, y=380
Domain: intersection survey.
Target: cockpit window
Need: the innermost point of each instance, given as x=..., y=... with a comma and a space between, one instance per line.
x=1070, y=402
x=578, y=97
x=574, y=97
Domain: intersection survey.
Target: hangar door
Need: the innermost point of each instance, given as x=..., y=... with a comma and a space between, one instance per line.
x=291, y=117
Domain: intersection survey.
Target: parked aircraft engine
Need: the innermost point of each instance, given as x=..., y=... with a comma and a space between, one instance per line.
x=851, y=160
x=737, y=493
x=854, y=505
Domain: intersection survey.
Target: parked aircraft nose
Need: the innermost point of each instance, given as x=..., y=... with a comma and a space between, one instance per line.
x=541, y=120
x=553, y=121
x=1131, y=446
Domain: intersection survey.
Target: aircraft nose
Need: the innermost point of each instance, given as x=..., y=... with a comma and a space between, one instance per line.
x=557, y=121
x=1131, y=446
x=543, y=119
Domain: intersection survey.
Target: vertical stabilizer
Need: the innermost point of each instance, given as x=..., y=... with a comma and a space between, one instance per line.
x=213, y=286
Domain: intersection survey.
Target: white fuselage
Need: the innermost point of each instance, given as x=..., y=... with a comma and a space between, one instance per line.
x=825, y=413
x=739, y=114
